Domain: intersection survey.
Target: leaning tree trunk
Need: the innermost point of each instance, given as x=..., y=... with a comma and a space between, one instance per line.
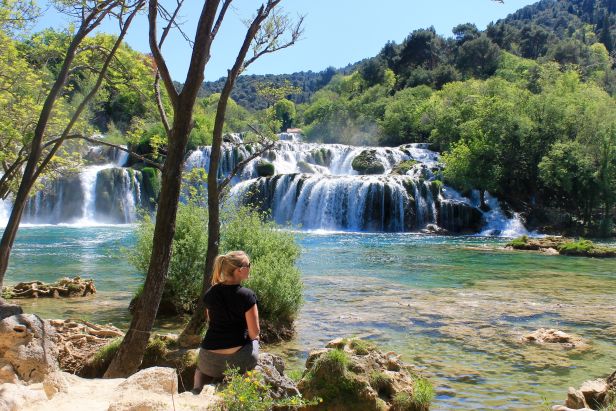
x=130, y=354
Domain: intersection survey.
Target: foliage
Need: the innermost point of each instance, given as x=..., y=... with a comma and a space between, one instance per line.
x=248, y=392
x=107, y=351
x=518, y=242
x=187, y=259
x=274, y=278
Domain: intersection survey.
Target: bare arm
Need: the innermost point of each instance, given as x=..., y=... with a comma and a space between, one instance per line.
x=252, y=320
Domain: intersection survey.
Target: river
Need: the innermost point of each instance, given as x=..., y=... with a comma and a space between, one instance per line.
x=453, y=306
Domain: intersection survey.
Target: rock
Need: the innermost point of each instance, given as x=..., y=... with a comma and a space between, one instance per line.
x=368, y=163
x=456, y=216
x=7, y=374
x=403, y=167
x=555, y=337
x=306, y=168
x=564, y=408
x=272, y=368
x=265, y=169
x=64, y=287
x=354, y=375
x=26, y=344
x=150, y=187
x=575, y=399
x=322, y=156
x=55, y=383
x=8, y=310
x=595, y=392
x=15, y=397
x=159, y=380
x=112, y=185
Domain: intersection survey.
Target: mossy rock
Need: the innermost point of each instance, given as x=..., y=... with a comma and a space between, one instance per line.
x=150, y=187
x=305, y=167
x=322, y=156
x=265, y=169
x=368, y=163
x=403, y=167
x=352, y=374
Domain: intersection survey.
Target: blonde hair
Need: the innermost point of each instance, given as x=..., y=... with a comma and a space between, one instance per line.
x=225, y=264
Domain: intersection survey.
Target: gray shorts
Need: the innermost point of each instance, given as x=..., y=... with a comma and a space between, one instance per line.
x=214, y=364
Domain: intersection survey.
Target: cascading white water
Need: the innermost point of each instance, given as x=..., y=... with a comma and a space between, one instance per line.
x=498, y=224
x=88, y=184
x=5, y=211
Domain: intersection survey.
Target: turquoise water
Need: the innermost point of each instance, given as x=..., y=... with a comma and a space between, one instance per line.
x=455, y=307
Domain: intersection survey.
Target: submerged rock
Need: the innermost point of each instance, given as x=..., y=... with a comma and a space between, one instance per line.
x=555, y=337
x=355, y=375
x=64, y=287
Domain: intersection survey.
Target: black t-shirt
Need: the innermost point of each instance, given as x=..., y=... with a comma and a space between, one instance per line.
x=227, y=306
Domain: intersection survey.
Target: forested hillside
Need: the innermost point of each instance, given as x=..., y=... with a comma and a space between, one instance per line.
x=246, y=89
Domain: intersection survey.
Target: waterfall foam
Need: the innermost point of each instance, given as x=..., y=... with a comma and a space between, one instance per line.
x=498, y=224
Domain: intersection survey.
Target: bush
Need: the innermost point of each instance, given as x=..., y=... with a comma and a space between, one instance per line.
x=519, y=242
x=274, y=278
x=184, y=279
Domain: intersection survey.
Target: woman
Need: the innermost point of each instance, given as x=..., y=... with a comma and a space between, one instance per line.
x=232, y=337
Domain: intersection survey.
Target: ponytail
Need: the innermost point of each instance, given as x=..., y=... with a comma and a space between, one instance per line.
x=225, y=264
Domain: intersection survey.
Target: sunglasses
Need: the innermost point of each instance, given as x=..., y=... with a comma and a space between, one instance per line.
x=246, y=266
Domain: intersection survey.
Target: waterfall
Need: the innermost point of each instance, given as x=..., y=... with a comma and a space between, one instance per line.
x=5, y=211
x=497, y=223
x=88, y=184
x=102, y=194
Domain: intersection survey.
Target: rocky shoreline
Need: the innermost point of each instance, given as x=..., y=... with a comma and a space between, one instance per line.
x=39, y=359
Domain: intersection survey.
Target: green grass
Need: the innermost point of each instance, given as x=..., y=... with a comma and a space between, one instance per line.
x=107, y=352
x=518, y=242
x=423, y=392
x=361, y=347
x=332, y=362
x=584, y=247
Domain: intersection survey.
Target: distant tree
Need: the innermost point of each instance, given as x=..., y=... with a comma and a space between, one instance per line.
x=285, y=112
x=479, y=57
x=465, y=32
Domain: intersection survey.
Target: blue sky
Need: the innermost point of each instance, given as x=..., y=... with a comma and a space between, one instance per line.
x=336, y=32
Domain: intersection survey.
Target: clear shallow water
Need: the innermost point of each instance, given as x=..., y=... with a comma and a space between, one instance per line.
x=454, y=306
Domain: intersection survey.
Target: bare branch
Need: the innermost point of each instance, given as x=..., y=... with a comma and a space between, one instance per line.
x=266, y=144
x=220, y=18
x=104, y=143
x=161, y=66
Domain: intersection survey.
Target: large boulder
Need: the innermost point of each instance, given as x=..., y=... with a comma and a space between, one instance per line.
x=8, y=310
x=368, y=163
x=593, y=395
x=26, y=345
x=354, y=375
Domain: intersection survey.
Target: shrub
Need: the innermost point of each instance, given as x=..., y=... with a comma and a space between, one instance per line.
x=186, y=267
x=423, y=394
x=333, y=362
x=274, y=278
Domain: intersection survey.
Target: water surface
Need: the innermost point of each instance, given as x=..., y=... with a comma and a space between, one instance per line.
x=453, y=306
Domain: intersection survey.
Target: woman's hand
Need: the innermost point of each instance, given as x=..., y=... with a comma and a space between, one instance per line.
x=252, y=320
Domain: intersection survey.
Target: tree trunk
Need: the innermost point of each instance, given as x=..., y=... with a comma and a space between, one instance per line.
x=130, y=354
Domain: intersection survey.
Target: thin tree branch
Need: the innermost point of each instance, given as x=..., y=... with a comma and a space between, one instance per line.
x=161, y=66
x=82, y=105
x=220, y=18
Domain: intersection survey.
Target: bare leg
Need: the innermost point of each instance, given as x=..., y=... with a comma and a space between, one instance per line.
x=199, y=382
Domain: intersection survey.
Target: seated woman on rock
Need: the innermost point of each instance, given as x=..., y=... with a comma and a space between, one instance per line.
x=232, y=337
